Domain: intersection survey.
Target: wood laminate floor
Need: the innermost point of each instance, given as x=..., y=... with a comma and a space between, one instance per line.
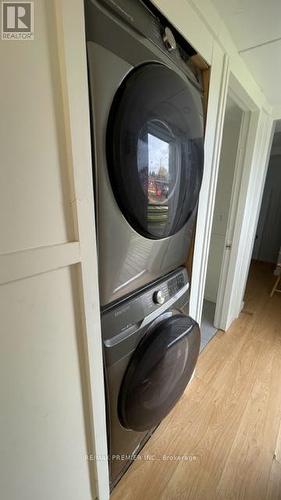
x=223, y=438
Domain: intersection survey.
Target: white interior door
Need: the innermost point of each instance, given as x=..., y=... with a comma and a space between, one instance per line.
x=228, y=156
x=222, y=302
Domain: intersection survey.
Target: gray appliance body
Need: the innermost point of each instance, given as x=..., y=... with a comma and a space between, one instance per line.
x=150, y=353
x=122, y=39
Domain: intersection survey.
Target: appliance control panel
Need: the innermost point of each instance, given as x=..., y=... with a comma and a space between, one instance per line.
x=138, y=306
x=168, y=289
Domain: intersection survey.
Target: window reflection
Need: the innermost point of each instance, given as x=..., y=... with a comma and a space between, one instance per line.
x=157, y=168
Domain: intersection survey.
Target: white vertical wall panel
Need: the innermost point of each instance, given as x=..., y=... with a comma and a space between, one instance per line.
x=34, y=198
x=42, y=429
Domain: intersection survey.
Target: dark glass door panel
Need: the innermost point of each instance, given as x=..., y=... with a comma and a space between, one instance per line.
x=155, y=150
x=158, y=372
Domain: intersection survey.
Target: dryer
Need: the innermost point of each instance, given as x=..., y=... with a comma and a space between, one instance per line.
x=151, y=347
x=147, y=135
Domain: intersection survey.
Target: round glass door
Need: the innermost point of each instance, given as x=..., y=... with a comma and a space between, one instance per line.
x=158, y=372
x=155, y=150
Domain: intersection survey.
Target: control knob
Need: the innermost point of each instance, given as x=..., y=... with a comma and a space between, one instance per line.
x=159, y=297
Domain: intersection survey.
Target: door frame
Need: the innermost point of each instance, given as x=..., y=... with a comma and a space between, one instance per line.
x=253, y=167
x=219, y=76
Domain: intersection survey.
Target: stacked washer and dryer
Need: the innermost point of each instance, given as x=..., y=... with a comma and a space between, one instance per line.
x=147, y=136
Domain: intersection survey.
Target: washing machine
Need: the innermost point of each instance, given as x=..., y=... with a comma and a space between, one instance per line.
x=147, y=135
x=151, y=346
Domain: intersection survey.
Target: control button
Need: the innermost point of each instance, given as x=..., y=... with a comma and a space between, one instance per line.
x=169, y=39
x=159, y=297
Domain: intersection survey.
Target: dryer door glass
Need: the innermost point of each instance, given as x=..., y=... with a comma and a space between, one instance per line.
x=155, y=149
x=158, y=372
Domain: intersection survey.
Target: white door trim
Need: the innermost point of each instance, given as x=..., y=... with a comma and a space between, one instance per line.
x=213, y=136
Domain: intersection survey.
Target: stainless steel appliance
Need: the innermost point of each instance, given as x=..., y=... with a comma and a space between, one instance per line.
x=147, y=134
x=151, y=346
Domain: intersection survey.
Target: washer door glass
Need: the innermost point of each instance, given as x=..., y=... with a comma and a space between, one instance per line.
x=158, y=372
x=155, y=150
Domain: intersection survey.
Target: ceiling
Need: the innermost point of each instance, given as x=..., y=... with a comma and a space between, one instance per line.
x=255, y=26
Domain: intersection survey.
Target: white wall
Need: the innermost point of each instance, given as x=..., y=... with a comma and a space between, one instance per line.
x=230, y=139
x=268, y=234
x=50, y=330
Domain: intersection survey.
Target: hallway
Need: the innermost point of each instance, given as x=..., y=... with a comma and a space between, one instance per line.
x=223, y=439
